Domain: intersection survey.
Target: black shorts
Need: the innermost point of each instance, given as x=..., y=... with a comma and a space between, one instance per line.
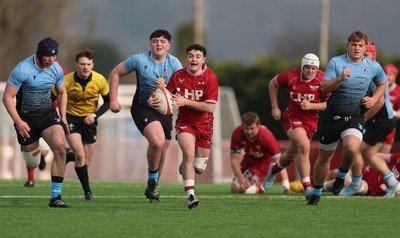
x=88, y=132
x=37, y=121
x=332, y=125
x=142, y=116
x=376, y=130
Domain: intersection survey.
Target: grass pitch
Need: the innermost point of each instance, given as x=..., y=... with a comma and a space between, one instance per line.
x=119, y=209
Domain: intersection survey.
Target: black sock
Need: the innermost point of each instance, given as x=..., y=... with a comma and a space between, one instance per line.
x=83, y=176
x=70, y=156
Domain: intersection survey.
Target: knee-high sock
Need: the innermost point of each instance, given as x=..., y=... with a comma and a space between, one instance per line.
x=83, y=176
x=31, y=174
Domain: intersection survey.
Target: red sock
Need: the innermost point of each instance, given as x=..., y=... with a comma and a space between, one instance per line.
x=276, y=169
x=394, y=157
x=307, y=184
x=31, y=174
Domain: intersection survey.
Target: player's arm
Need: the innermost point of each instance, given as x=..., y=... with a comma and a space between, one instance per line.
x=235, y=164
x=332, y=84
x=62, y=99
x=374, y=109
x=115, y=74
x=369, y=102
x=8, y=100
x=181, y=101
x=307, y=105
x=273, y=96
x=103, y=108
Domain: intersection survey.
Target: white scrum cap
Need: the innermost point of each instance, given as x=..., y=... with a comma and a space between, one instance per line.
x=310, y=59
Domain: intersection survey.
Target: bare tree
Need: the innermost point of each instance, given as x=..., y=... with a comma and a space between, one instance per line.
x=24, y=22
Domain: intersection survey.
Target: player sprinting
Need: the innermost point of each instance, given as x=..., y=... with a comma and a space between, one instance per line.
x=195, y=93
x=33, y=113
x=379, y=123
x=153, y=69
x=300, y=118
x=347, y=77
x=84, y=87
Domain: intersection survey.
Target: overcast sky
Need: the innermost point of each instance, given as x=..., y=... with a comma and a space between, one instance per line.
x=241, y=30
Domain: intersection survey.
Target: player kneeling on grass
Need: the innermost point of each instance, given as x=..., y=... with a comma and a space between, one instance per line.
x=260, y=150
x=195, y=93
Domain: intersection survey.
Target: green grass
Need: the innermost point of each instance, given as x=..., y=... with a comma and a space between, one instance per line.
x=119, y=209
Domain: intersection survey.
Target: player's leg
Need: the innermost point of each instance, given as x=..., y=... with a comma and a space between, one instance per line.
x=31, y=155
x=30, y=183
x=275, y=168
x=44, y=151
x=55, y=138
x=187, y=143
x=154, y=134
x=356, y=184
x=321, y=170
x=351, y=141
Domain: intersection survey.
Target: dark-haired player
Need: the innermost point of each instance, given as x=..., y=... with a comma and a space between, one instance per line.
x=33, y=113
x=153, y=69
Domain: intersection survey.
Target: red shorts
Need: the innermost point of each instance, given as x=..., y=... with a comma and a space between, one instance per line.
x=202, y=132
x=390, y=138
x=291, y=123
x=255, y=169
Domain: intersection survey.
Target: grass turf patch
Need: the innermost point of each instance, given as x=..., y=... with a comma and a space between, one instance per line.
x=119, y=209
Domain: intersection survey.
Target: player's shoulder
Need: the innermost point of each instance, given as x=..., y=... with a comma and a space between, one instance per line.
x=98, y=76
x=139, y=57
x=320, y=75
x=264, y=130
x=173, y=58
x=290, y=73
x=57, y=68
x=237, y=134
x=207, y=72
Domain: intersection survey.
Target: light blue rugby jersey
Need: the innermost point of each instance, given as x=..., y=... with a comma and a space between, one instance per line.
x=147, y=71
x=35, y=85
x=388, y=105
x=346, y=99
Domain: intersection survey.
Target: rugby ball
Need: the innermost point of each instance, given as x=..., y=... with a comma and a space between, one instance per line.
x=165, y=97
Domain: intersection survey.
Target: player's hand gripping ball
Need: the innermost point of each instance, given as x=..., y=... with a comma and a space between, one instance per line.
x=166, y=104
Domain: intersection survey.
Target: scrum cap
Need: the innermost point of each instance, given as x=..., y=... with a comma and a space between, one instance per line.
x=391, y=68
x=46, y=46
x=310, y=59
x=371, y=48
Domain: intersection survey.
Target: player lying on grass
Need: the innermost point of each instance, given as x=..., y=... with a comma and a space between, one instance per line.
x=373, y=183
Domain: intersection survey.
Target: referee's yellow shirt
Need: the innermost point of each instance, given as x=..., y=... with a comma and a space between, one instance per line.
x=83, y=101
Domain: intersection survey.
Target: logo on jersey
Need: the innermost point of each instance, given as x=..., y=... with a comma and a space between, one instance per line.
x=314, y=87
x=34, y=77
x=191, y=93
x=300, y=97
x=181, y=80
x=366, y=71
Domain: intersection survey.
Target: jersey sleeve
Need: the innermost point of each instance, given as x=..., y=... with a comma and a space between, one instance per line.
x=130, y=63
x=282, y=79
x=211, y=91
x=16, y=78
x=270, y=143
x=235, y=142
